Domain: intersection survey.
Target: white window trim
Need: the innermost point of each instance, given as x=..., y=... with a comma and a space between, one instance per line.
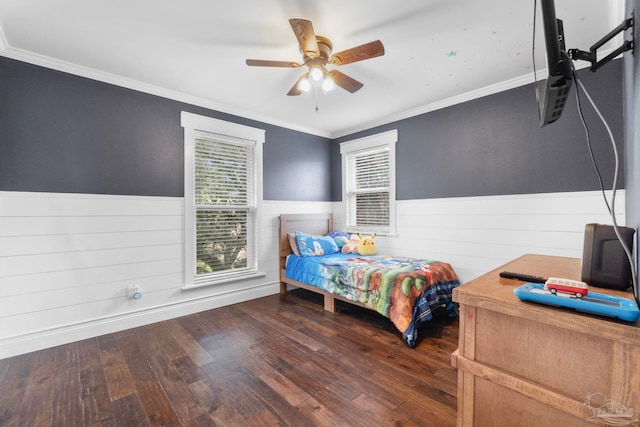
x=378, y=141
x=193, y=124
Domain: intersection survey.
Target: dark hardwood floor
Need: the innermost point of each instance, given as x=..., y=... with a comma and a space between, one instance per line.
x=271, y=361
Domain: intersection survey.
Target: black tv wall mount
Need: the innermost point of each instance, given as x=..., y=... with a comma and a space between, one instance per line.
x=592, y=55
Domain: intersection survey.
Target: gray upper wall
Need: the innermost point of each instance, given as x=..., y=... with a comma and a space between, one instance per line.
x=495, y=146
x=64, y=133
x=68, y=134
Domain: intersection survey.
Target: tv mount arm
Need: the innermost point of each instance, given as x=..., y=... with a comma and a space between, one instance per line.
x=592, y=55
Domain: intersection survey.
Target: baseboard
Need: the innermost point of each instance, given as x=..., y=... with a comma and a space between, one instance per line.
x=46, y=338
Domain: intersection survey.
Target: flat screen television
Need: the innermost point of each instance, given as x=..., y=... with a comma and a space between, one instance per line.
x=553, y=91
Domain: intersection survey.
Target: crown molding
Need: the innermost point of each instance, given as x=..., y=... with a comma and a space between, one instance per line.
x=101, y=76
x=93, y=74
x=458, y=99
x=438, y=105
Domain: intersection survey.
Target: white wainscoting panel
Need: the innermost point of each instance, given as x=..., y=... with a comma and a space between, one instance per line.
x=478, y=234
x=66, y=261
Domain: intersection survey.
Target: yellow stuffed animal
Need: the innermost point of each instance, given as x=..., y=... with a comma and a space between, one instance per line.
x=366, y=245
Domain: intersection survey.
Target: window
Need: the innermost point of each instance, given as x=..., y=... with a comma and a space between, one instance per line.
x=368, y=182
x=222, y=196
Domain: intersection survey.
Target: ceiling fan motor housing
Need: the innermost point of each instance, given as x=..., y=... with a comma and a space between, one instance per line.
x=324, y=47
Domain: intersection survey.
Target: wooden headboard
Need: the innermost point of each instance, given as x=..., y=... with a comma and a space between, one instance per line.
x=320, y=224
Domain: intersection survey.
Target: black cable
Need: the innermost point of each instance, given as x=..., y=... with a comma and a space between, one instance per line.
x=587, y=134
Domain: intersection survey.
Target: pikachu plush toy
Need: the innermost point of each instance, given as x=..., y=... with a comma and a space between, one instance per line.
x=366, y=245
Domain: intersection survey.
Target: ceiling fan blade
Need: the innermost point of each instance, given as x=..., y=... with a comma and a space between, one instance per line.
x=345, y=82
x=295, y=91
x=266, y=63
x=303, y=29
x=358, y=53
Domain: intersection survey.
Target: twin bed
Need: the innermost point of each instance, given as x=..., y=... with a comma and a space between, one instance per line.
x=406, y=290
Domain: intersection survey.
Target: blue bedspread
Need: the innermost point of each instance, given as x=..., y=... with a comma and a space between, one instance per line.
x=406, y=290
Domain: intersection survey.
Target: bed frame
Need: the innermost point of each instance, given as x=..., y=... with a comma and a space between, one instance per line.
x=319, y=224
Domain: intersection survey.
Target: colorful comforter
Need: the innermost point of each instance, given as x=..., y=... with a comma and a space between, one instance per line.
x=405, y=290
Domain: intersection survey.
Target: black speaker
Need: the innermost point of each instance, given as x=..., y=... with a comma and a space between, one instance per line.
x=604, y=262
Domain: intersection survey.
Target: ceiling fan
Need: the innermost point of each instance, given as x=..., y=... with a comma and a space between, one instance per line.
x=316, y=54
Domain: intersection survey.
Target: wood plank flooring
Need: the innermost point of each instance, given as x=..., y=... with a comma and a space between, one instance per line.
x=274, y=361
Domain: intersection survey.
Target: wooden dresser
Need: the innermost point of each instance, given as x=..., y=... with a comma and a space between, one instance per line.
x=527, y=364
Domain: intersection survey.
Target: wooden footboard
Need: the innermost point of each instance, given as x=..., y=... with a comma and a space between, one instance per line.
x=319, y=224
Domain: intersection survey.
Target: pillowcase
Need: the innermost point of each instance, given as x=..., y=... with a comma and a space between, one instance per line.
x=309, y=245
x=293, y=243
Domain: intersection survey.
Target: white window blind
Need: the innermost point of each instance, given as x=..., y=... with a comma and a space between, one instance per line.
x=222, y=199
x=225, y=203
x=369, y=183
x=224, y=171
x=369, y=194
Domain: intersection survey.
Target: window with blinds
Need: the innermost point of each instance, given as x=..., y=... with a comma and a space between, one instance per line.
x=368, y=195
x=222, y=197
x=369, y=183
x=225, y=203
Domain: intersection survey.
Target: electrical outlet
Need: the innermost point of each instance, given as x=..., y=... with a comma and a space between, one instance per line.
x=133, y=292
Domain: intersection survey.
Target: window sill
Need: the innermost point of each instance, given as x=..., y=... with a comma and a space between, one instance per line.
x=366, y=232
x=224, y=280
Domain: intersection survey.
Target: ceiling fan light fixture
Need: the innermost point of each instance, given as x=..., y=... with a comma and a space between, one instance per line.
x=305, y=84
x=316, y=74
x=328, y=84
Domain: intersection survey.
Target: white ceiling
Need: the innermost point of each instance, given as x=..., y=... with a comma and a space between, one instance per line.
x=438, y=52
